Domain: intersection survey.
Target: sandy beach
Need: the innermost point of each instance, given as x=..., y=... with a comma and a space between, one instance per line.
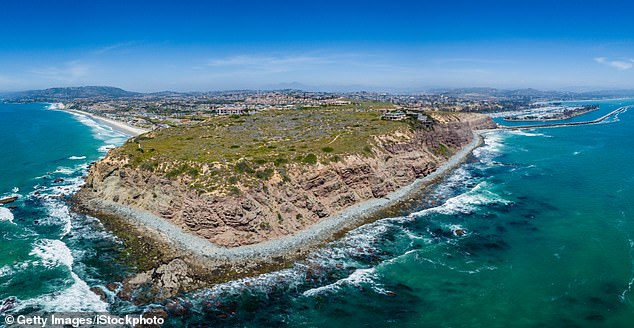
x=119, y=126
x=284, y=248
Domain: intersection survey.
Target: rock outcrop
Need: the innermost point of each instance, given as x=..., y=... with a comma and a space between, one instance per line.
x=282, y=206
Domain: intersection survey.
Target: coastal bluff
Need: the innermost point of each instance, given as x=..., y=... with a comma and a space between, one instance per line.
x=241, y=182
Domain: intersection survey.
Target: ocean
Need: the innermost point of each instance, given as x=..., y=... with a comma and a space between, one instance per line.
x=536, y=229
x=49, y=256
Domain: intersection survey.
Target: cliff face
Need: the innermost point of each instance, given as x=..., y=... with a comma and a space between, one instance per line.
x=283, y=205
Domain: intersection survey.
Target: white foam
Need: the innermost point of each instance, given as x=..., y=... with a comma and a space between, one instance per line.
x=57, y=106
x=360, y=241
x=57, y=210
x=467, y=202
x=100, y=132
x=52, y=253
x=493, y=146
x=358, y=277
x=6, y=215
x=64, y=170
x=527, y=134
x=6, y=271
x=106, y=148
x=458, y=178
x=77, y=157
x=78, y=297
x=311, y=277
x=60, y=213
x=455, y=228
x=624, y=295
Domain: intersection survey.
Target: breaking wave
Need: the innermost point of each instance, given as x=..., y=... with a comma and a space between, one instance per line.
x=76, y=298
x=6, y=215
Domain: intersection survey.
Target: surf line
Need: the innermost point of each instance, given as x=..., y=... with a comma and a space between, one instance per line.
x=598, y=120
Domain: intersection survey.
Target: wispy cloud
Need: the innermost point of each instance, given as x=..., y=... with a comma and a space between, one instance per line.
x=113, y=47
x=73, y=71
x=444, y=61
x=618, y=64
x=270, y=63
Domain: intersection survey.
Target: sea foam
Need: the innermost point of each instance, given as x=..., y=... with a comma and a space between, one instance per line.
x=493, y=146
x=525, y=133
x=76, y=298
x=356, y=279
x=6, y=215
x=467, y=202
x=106, y=148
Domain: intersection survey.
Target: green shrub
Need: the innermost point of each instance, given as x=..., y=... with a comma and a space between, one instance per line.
x=193, y=172
x=280, y=161
x=310, y=159
x=243, y=167
x=265, y=174
x=233, y=190
x=442, y=150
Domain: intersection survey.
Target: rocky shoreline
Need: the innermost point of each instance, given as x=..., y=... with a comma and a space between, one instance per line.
x=175, y=261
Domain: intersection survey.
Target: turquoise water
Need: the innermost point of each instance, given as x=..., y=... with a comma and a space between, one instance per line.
x=49, y=256
x=549, y=242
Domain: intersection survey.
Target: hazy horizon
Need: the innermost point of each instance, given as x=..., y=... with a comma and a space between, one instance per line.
x=328, y=46
x=346, y=89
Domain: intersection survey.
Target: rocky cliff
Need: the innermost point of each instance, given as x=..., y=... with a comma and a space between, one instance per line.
x=282, y=204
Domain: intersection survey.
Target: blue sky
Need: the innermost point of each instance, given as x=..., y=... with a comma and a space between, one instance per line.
x=388, y=45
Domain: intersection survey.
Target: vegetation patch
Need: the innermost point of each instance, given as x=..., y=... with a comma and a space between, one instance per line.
x=246, y=150
x=327, y=149
x=310, y=159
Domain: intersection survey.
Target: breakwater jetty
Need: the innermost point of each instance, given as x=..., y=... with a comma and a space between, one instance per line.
x=546, y=125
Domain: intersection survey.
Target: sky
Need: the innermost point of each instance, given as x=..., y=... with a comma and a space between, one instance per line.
x=329, y=45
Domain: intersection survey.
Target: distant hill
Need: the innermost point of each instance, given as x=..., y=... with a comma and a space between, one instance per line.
x=482, y=93
x=70, y=93
x=499, y=93
x=100, y=93
x=624, y=93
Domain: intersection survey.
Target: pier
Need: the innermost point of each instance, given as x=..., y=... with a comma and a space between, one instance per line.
x=545, y=125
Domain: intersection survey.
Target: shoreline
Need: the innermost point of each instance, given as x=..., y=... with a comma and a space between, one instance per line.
x=551, y=119
x=124, y=128
x=557, y=125
x=261, y=257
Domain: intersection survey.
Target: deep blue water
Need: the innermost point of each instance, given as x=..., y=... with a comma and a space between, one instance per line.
x=548, y=216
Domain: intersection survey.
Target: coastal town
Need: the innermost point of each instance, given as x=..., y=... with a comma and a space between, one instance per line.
x=149, y=111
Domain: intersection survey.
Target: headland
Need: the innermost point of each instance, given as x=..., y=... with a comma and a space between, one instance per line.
x=264, y=190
